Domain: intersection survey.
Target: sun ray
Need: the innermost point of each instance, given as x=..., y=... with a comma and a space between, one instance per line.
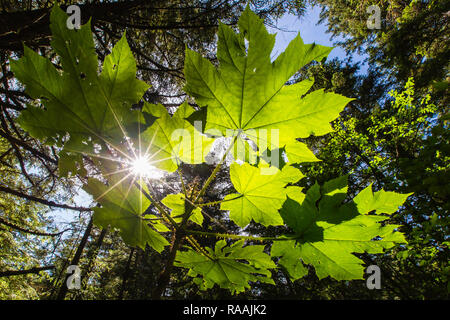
x=139, y=135
x=113, y=186
x=140, y=155
x=155, y=154
x=160, y=149
x=116, y=171
x=160, y=160
x=117, y=120
x=149, y=157
x=97, y=156
x=116, y=148
x=128, y=191
x=151, y=142
x=144, y=168
x=80, y=121
x=140, y=194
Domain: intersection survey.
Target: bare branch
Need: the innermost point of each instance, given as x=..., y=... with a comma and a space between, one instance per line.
x=43, y=201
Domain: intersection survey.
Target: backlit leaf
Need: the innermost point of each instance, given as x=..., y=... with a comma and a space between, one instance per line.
x=247, y=93
x=261, y=193
x=122, y=207
x=328, y=232
x=225, y=265
x=171, y=140
x=176, y=202
x=78, y=100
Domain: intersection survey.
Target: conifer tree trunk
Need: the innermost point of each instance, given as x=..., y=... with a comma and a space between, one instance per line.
x=75, y=260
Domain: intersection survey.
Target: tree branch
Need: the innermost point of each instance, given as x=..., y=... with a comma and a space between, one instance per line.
x=40, y=200
x=24, y=145
x=37, y=233
x=20, y=272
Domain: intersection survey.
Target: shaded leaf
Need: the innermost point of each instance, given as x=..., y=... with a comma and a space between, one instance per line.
x=230, y=267
x=328, y=232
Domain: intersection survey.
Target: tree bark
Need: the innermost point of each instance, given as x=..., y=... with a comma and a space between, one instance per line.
x=177, y=240
x=33, y=27
x=76, y=259
x=92, y=255
x=125, y=275
x=164, y=276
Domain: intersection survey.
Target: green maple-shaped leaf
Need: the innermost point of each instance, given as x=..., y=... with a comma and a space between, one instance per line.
x=247, y=93
x=171, y=140
x=328, y=232
x=380, y=201
x=70, y=160
x=261, y=193
x=77, y=99
x=230, y=267
x=123, y=206
x=177, y=203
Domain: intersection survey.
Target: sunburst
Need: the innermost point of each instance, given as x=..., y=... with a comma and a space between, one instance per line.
x=142, y=166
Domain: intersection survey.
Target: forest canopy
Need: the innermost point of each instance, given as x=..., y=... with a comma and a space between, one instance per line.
x=162, y=150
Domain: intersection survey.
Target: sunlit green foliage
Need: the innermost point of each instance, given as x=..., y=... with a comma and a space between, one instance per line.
x=246, y=93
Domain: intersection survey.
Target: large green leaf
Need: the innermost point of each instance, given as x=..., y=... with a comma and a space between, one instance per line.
x=380, y=201
x=328, y=232
x=77, y=99
x=230, y=267
x=171, y=140
x=247, y=93
x=261, y=193
x=122, y=207
x=177, y=203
